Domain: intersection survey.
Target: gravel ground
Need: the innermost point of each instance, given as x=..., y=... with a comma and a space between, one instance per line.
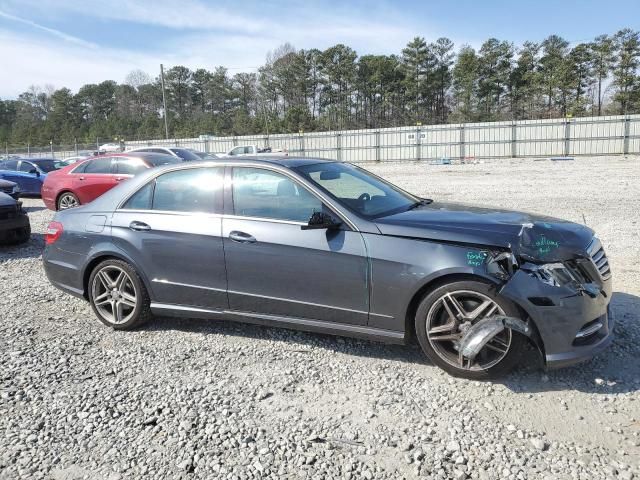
x=198, y=399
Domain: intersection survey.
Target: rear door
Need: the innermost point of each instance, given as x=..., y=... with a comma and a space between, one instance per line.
x=172, y=229
x=94, y=178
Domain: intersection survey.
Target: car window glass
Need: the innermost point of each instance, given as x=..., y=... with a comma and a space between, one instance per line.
x=26, y=166
x=158, y=150
x=129, y=166
x=237, y=151
x=99, y=165
x=191, y=190
x=10, y=165
x=141, y=200
x=266, y=194
x=185, y=154
x=80, y=168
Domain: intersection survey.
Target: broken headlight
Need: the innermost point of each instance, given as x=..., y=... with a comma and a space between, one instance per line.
x=553, y=274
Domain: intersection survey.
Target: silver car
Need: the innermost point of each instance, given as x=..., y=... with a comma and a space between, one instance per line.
x=328, y=247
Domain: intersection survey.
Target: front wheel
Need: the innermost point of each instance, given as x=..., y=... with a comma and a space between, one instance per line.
x=118, y=295
x=446, y=313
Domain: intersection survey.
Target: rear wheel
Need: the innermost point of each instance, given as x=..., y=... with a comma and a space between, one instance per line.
x=68, y=200
x=118, y=295
x=445, y=314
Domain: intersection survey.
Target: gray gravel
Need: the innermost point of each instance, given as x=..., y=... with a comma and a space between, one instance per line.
x=198, y=399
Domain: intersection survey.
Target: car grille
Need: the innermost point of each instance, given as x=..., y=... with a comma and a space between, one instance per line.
x=599, y=258
x=7, y=213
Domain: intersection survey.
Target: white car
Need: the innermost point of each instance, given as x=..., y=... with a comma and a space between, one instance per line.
x=255, y=151
x=110, y=147
x=185, y=154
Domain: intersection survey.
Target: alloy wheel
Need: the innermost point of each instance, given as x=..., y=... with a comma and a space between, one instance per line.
x=114, y=294
x=451, y=316
x=68, y=201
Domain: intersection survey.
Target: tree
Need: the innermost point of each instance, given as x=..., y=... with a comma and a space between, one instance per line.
x=465, y=83
x=625, y=76
x=415, y=60
x=602, y=53
x=553, y=69
x=442, y=52
x=495, y=62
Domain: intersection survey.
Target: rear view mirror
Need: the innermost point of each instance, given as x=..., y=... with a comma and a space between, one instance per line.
x=321, y=220
x=329, y=175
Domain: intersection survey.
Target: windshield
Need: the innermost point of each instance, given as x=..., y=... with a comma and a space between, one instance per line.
x=203, y=155
x=186, y=155
x=357, y=189
x=48, y=165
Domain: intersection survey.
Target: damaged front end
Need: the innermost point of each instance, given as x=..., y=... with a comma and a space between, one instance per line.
x=561, y=281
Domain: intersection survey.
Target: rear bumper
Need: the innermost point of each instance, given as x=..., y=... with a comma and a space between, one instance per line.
x=561, y=324
x=63, y=270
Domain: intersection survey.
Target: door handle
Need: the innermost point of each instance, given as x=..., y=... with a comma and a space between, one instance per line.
x=139, y=226
x=119, y=179
x=241, y=237
x=81, y=178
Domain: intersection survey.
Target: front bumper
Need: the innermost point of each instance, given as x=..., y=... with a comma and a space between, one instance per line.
x=11, y=227
x=561, y=316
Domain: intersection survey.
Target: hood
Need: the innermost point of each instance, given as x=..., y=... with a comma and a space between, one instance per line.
x=6, y=200
x=533, y=237
x=6, y=183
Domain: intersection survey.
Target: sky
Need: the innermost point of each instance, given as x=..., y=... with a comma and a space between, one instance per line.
x=67, y=43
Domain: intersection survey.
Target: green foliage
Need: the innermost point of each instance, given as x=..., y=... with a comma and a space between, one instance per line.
x=335, y=89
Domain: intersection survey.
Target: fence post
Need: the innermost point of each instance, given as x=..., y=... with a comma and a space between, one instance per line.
x=463, y=152
x=418, y=144
x=75, y=144
x=567, y=137
x=627, y=131
x=29, y=149
x=514, y=139
x=377, y=137
x=339, y=146
x=51, y=146
x=235, y=141
x=302, y=144
x=97, y=143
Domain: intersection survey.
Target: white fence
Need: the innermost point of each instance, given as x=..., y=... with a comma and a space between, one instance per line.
x=609, y=135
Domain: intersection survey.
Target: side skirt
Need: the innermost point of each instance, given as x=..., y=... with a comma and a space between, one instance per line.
x=307, y=325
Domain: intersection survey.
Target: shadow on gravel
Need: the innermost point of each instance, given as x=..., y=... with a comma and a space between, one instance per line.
x=34, y=209
x=616, y=370
x=31, y=249
x=292, y=340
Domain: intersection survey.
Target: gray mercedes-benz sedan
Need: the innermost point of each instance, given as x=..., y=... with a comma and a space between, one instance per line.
x=327, y=246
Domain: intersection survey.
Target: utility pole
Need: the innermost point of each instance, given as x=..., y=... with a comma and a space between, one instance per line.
x=164, y=103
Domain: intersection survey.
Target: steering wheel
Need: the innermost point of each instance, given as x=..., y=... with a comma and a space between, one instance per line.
x=365, y=197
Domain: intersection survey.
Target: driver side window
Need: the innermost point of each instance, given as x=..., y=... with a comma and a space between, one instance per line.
x=27, y=167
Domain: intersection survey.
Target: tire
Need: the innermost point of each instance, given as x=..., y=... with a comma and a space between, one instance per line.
x=125, y=308
x=439, y=342
x=67, y=200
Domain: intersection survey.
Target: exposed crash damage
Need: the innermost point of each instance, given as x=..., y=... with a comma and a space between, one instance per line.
x=555, y=272
x=548, y=267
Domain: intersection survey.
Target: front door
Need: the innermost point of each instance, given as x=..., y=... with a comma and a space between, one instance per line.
x=30, y=182
x=171, y=227
x=274, y=267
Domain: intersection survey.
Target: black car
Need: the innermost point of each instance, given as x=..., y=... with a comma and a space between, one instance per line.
x=14, y=222
x=10, y=188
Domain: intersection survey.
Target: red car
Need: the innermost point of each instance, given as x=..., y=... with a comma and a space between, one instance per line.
x=81, y=182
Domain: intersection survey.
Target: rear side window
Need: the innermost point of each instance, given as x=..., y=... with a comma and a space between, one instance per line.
x=185, y=154
x=129, y=166
x=99, y=165
x=27, y=166
x=192, y=190
x=10, y=165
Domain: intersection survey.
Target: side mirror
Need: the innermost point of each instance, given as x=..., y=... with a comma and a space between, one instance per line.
x=321, y=220
x=35, y=172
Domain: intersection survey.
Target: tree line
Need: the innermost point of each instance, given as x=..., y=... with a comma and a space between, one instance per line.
x=333, y=89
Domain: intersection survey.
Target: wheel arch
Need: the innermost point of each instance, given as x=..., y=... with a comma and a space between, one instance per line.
x=429, y=286
x=109, y=255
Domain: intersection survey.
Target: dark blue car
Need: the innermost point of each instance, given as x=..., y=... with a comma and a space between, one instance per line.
x=29, y=173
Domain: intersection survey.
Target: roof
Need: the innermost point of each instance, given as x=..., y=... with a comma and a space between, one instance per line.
x=285, y=161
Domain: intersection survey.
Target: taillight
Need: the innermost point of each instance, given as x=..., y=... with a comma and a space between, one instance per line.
x=53, y=233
